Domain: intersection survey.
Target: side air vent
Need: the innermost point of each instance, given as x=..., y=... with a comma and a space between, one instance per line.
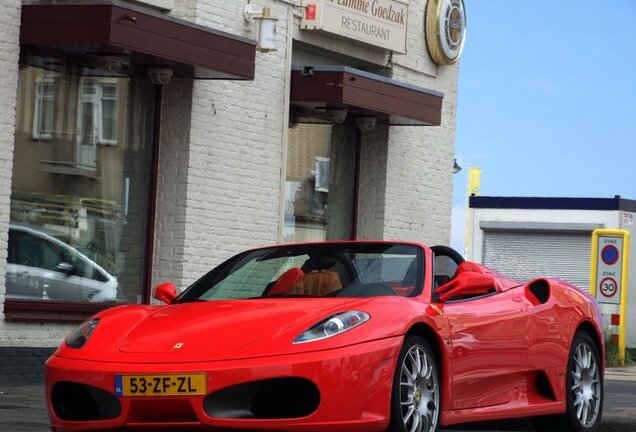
x=543, y=386
x=538, y=292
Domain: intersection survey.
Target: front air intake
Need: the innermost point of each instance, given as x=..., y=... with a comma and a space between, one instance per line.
x=267, y=399
x=79, y=402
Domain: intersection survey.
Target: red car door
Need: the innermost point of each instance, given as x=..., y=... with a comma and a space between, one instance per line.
x=489, y=349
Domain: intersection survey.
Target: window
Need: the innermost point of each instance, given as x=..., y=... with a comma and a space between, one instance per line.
x=98, y=115
x=43, y=110
x=320, y=182
x=363, y=269
x=79, y=211
x=322, y=174
x=108, y=127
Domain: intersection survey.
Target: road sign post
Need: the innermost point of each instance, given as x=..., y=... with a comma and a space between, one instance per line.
x=609, y=271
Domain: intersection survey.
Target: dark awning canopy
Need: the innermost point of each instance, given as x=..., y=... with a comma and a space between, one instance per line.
x=144, y=39
x=315, y=90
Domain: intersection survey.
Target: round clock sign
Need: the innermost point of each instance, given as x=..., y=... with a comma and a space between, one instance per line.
x=445, y=30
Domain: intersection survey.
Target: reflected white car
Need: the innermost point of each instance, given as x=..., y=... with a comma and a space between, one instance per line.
x=40, y=266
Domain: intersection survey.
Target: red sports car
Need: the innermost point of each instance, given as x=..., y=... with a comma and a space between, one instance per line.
x=337, y=336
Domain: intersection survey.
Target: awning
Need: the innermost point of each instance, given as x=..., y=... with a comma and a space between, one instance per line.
x=315, y=90
x=144, y=38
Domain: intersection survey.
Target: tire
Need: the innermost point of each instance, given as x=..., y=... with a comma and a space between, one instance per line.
x=415, y=397
x=584, y=391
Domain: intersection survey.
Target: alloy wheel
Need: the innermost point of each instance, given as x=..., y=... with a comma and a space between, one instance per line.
x=419, y=391
x=586, y=390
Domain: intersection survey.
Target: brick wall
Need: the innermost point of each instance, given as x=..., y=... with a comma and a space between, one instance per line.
x=23, y=365
x=372, y=185
x=172, y=183
x=406, y=172
x=13, y=334
x=233, y=172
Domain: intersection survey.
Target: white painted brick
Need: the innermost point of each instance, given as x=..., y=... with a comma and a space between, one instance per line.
x=13, y=334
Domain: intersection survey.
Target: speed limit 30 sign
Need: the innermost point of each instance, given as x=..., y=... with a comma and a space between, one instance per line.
x=610, y=266
x=609, y=276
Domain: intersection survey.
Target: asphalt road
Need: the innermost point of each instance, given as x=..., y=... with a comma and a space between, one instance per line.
x=22, y=409
x=619, y=413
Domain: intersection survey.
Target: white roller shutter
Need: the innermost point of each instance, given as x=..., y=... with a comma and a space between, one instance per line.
x=527, y=255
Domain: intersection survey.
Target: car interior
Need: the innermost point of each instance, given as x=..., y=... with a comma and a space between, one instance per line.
x=332, y=275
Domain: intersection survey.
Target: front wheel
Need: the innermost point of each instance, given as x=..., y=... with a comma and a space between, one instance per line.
x=584, y=390
x=415, y=398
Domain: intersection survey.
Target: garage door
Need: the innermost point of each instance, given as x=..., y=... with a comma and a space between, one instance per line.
x=527, y=255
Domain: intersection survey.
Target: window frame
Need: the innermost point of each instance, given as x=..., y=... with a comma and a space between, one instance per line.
x=38, y=99
x=97, y=100
x=320, y=182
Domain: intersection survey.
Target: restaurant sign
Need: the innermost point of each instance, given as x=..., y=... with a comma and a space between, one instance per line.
x=380, y=23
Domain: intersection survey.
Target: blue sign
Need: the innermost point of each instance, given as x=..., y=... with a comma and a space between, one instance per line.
x=609, y=254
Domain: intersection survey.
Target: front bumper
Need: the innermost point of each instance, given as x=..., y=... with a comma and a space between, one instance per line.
x=354, y=385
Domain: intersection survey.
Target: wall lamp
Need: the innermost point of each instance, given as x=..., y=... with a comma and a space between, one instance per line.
x=456, y=167
x=265, y=26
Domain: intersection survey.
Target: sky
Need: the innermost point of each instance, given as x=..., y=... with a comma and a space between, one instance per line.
x=547, y=100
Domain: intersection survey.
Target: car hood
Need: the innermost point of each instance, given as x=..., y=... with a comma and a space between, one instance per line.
x=219, y=327
x=235, y=329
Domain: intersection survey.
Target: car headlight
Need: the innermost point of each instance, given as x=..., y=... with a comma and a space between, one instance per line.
x=332, y=326
x=80, y=335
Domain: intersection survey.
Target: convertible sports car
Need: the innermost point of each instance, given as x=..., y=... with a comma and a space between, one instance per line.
x=336, y=336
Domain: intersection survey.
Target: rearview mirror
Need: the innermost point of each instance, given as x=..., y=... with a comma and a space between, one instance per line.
x=165, y=292
x=65, y=268
x=466, y=284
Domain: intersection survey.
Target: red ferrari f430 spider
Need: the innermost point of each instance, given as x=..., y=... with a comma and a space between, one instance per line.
x=336, y=336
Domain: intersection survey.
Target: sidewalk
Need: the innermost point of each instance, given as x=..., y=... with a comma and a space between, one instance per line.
x=621, y=374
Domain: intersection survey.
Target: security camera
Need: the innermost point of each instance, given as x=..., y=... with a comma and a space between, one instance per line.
x=366, y=123
x=337, y=116
x=159, y=75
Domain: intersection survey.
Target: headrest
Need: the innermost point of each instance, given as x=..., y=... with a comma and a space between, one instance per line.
x=319, y=262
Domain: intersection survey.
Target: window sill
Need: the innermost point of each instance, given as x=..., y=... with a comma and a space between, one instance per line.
x=38, y=310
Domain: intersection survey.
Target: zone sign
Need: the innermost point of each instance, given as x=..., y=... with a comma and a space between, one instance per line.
x=610, y=266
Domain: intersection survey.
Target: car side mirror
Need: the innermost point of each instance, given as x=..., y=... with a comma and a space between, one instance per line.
x=165, y=292
x=66, y=268
x=467, y=284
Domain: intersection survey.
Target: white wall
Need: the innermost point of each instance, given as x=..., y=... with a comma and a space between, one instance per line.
x=11, y=333
x=476, y=246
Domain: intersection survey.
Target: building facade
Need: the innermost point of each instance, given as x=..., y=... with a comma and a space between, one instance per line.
x=526, y=238
x=148, y=141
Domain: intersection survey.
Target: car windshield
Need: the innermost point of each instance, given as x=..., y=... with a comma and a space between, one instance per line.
x=314, y=270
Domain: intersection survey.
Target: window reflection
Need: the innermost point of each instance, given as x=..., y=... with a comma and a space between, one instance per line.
x=81, y=179
x=320, y=182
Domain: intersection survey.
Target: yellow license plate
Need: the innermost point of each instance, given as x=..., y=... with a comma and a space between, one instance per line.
x=160, y=385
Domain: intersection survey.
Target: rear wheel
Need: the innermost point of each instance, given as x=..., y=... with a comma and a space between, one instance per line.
x=415, y=396
x=584, y=390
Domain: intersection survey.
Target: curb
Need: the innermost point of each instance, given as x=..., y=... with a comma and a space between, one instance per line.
x=621, y=374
